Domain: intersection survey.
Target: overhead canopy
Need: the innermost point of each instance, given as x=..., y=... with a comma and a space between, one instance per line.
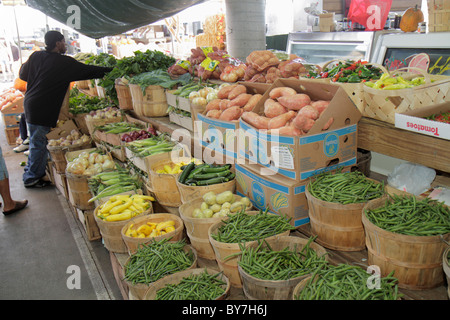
x=100, y=18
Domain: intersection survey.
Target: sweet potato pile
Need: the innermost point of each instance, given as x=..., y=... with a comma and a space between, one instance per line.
x=287, y=112
x=260, y=66
x=232, y=100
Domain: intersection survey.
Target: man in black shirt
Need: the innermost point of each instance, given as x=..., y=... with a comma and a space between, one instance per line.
x=48, y=75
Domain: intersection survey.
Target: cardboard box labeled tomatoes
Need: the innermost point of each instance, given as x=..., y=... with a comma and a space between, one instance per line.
x=273, y=191
x=297, y=157
x=222, y=135
x=414, y=121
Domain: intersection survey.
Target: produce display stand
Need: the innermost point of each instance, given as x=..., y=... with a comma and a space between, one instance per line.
x=385, y=138
x=372, y=135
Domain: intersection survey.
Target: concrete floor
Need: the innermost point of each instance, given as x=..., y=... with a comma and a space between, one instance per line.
x=44, y=251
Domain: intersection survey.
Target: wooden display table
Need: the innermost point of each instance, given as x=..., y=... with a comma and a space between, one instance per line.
x=385, y=138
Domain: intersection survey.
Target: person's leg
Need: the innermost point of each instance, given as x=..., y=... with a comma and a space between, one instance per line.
x=10, y=205
x=38, y=157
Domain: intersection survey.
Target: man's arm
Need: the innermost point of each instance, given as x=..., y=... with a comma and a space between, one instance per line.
x=81, y=71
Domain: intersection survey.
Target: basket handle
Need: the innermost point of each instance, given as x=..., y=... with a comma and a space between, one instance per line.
x=426, y=75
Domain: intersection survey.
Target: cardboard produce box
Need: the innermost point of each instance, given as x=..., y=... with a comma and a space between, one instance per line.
x=414, y=121
x=177, y=101
x=11, y=113
x=274, y=191
x=295, y=157
x=62, y=130
x=222, y=135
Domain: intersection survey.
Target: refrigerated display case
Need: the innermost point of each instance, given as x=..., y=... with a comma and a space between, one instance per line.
x=427, y=51
x=320, y=47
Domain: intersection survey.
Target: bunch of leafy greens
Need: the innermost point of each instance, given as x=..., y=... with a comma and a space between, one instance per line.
x=102, y=60
x=81, y=103
x=159, y=77
x=128, y=67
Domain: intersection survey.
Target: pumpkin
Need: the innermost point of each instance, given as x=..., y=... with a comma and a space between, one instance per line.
x=20, y=85
x=410, y=19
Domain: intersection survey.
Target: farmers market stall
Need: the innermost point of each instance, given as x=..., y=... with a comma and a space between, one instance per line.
x=272, y=169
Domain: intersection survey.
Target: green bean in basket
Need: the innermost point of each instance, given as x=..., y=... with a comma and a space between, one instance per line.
x=156, y=259
x=345, y=187
x=411, y=216
x=347, y=282
x=243, y=227
x=264, y=263
x=202, y=286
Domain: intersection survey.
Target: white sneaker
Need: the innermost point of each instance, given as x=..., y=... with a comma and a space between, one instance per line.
x=27, y=152
x=21, y=148
x=26, y=141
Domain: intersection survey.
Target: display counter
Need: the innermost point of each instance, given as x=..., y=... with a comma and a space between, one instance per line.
x=385, y=138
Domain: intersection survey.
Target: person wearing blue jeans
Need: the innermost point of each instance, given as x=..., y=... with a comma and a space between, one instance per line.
x=34, y=170
x=48, y=74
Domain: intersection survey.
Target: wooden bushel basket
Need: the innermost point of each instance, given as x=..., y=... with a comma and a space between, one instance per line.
x=384, y=104
x=177, y=277
x=192, y=192
x=222, y=250
x=337, y=226
x=197, y=228
x=57, y=154
x=151, y=104
x=139, y=290
x=416, y=260
x=124, y=97
x=111, y=231
x=446, y=264
x=260, y=289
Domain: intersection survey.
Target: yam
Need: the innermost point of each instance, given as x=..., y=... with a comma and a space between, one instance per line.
x=239, y=89
x=230, y=114
x=320, y=105
x=303, y=123
x=251, y=104
x=223, y=104
x=287, y=131
x=294, y=102
x=213, y=105
x=240, y=101
x=281, y=91
x=328, y=124
x=309, y=112
x=215, y=114
x=254, y=119
x=225, y=91
x=273, y=108
x=281, y=120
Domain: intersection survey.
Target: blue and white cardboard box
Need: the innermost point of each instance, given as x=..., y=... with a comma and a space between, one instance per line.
x=273, y=191
x=222, y=136
x=298, y=157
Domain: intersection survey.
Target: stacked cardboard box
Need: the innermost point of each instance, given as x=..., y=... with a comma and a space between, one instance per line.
x=273, y=171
